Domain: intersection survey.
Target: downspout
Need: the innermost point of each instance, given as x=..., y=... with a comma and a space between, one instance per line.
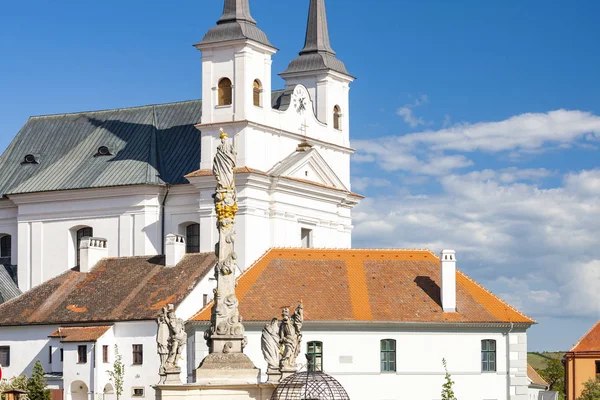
x=508, y=361
x=162, y=221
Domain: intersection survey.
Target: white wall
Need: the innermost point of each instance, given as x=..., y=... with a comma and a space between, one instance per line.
x=353, y=357
x=27, y=344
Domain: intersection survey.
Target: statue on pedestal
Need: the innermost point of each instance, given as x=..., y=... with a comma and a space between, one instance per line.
x=290, y=336
x=170, y=339
x=270, y=345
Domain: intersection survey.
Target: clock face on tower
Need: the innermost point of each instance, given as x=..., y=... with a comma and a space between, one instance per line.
x=300, y=99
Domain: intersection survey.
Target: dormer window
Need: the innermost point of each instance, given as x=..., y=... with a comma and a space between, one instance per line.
x=256, y=91
x=225, y=92
x=337, y=118
x=103, y=151
x=30, y=159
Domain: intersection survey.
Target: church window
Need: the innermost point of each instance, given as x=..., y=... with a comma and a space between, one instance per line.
x=488, y=356
x=192, y=238
x=256, y=92
x=5, y=356
x=315, y=353
x=225, y=92
x=82, y=354
x=306, y=238
x=81, y=233
x=337, y=118
x=105, y=353
x=388, y=355
x=138, y=354
x=5, y=246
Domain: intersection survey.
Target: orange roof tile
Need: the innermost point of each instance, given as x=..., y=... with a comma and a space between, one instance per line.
x=535, y=377
x=80, y=334
x=361, y=285
x=590, y=341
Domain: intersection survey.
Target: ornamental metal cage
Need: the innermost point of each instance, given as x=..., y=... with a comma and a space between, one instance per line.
x=309, y=386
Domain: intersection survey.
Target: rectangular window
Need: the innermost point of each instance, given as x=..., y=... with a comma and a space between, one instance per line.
x=61, y=355
x=597, y=369
x=138, y=354
x=306, y=237
x=5, y=246
x=488, y=356
x=388, y=355
x=204, y=300
x=192, y=238
x=105, y=354
x=82, y=354
x=50, y=354
x=138, y=392
x=315, y=352
x=5, y=356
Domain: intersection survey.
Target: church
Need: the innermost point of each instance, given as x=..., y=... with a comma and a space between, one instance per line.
x=90, y=197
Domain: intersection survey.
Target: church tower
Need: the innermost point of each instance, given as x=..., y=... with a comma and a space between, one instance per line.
x=322, y=73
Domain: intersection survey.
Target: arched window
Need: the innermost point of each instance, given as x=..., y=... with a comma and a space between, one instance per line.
x=192, y=238
x=315, y=351
x=5, y=246
x=256, y=91
x=81, y=233
x=337, y=118
x=388, y=355
x=488, y=355
x=225, y=92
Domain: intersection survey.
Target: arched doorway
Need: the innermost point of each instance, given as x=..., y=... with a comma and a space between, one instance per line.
x=79, y=391
x=108, y=393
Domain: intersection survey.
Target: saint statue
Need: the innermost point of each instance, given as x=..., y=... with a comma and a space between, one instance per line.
x=290, y=336
x=270, y=344
x=224, y=163
x=177, y=337
x=162, y=342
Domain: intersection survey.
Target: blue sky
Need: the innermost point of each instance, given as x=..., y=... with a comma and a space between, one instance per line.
x=476, y=123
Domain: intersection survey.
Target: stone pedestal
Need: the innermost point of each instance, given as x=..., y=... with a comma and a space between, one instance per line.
x=274, y=375
x=285, y=372
x=214, y=392
x=227, y=369
x=171, y=377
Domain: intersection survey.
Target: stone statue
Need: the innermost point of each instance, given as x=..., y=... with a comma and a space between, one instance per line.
x=177, y=337
x=290, y=336
x=162, y=341
x=225, y=319
x=270, y=344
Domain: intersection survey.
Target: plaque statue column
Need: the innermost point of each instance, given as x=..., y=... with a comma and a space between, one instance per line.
x=225, y=336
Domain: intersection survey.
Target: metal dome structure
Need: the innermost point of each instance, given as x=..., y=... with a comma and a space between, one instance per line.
x=310, y=386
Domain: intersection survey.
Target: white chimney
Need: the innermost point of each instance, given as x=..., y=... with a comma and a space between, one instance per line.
x=91, y=251
x=174, y=249
x=448, y=266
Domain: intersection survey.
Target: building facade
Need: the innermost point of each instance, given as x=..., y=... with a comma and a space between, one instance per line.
x=582, y=362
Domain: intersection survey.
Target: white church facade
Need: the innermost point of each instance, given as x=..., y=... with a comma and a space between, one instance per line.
x=90, y=199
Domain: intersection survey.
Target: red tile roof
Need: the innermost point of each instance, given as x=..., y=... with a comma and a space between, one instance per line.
x=535, y=377
x=116, y=289
x=361, y=285
x=80, y=334
x=590, y=341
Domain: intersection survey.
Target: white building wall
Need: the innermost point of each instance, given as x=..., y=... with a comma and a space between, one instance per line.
x=8, y=226
x=352, y=356
x=27, y=344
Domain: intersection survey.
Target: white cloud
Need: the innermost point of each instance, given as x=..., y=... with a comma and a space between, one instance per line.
x=361, y=183
x=408, y=115
x=537, y=248
x=526, y=133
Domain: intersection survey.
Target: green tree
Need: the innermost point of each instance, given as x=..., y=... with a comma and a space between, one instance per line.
x=117, y=375
x=554, y=374
x=36, y=385
x=591, y=390
x=447, y=390
x=16, y=382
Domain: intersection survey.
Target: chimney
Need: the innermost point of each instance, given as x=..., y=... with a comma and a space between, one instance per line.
x=448, y=266
x=174, y=249
x=92, y=250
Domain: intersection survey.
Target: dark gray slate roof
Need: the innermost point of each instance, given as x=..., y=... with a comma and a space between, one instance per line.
x=156, y=144
x=317, y=54
x=235, y=23
x=8, y=288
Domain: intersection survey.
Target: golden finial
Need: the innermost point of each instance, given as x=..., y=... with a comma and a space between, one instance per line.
x=223, y=134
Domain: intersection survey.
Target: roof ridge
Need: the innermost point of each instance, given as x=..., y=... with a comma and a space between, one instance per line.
x=359, y=250
x=494, y=296
x=584, y=336
x=115, y=109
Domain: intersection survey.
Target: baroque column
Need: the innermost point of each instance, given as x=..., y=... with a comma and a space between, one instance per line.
x=225, y=336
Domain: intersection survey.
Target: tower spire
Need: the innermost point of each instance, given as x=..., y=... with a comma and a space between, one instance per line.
x=317, y=54
x=236, y=23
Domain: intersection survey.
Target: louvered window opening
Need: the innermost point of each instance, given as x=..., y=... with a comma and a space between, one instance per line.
x=81, y=233
x=225, y=92
x=192, y=238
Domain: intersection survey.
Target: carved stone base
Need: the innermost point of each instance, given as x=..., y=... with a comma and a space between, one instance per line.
x=231, y=368
x=285, y=372
x=171, y=377
x=274, y=375
x=226, y=344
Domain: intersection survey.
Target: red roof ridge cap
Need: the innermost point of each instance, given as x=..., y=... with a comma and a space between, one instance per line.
x=496, y=297
x=583, y=337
